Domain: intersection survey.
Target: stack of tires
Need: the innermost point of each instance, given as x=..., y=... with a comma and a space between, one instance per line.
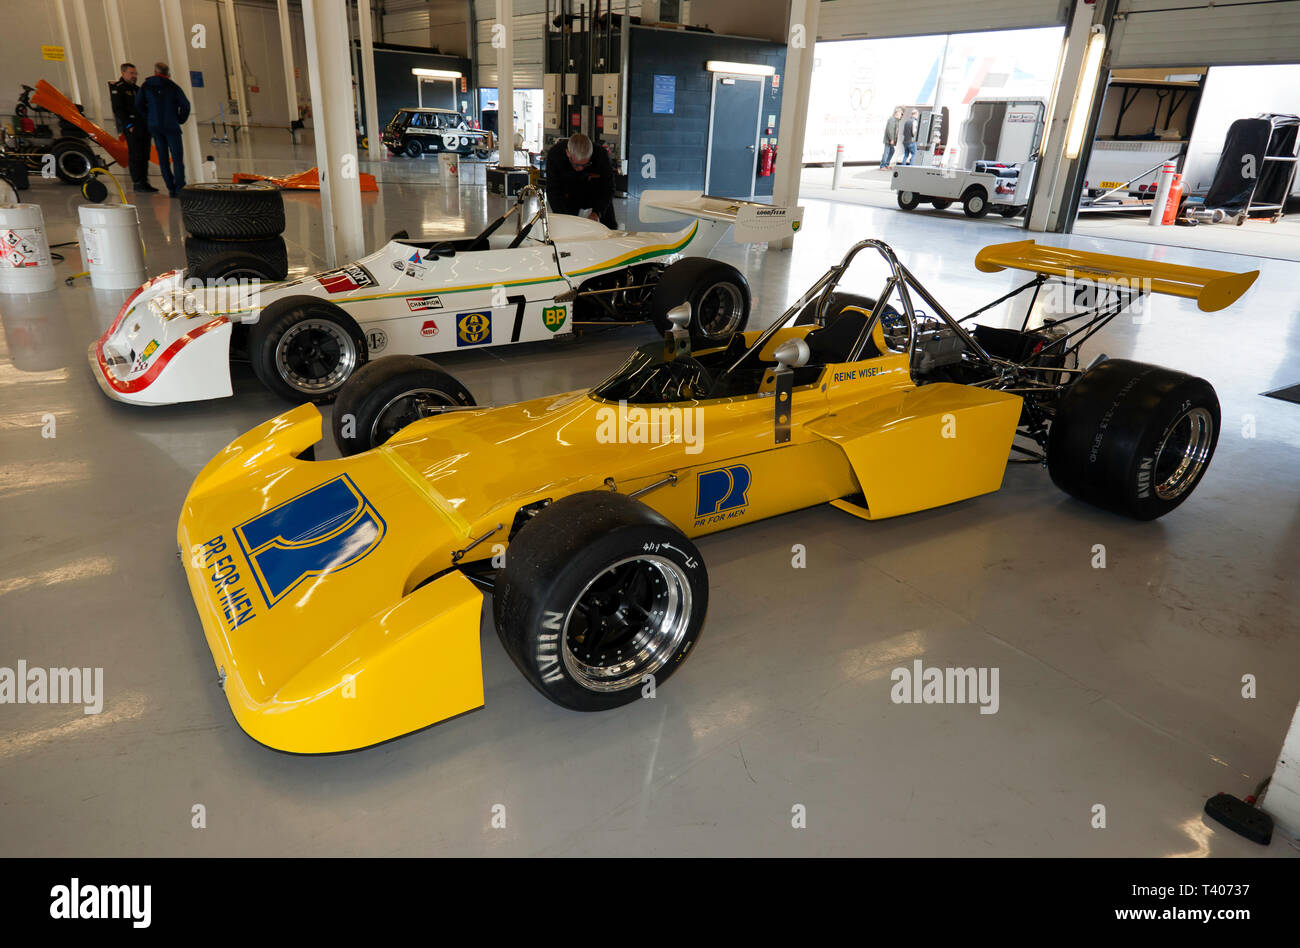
x=234, y=231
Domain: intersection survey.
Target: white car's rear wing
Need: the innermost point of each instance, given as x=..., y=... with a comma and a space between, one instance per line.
x=755, y=223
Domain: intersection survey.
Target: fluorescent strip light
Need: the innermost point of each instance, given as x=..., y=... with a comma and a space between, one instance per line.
x=435, y=73
x=1087, y=90
x=743, y=69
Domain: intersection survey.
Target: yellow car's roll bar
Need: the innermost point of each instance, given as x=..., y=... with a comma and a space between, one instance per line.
x=1212, y=289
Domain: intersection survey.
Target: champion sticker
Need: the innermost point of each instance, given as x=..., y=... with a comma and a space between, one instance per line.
x=419, y=304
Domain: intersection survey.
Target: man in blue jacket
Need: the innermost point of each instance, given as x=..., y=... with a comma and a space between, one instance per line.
x=165, y=108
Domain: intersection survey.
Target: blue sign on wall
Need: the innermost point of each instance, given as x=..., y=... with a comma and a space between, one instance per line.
x=665, y=92
x=196, y=79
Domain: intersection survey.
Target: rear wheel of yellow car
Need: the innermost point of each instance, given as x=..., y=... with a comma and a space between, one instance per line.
x=600, y=601
x=383, y=397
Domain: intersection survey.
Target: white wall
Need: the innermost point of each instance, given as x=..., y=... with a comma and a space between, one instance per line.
x=28, y=26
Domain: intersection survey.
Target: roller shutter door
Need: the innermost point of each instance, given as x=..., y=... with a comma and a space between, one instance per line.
x=870, y=19
x=1201, y=33
x=530, y=16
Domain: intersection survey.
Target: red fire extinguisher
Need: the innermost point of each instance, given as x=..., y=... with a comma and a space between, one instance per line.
x=766, y=159
x=1175, y=199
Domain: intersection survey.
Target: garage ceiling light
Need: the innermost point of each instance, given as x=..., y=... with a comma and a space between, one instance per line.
x=435, y=73
x=1087, y=90
x=743, y=69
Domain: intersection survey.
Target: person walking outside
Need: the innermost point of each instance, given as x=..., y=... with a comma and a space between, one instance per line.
x=891, y=137
x=909, y=136
x=132, y=124
x=165, y=108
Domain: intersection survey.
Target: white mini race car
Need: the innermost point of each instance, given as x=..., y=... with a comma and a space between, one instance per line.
x=173, y=339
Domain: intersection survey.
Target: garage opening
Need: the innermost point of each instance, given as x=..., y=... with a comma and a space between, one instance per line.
x=974, y=100
x=1230, y=133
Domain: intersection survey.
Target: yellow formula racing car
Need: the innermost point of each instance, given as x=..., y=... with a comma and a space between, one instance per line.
x=342, y=599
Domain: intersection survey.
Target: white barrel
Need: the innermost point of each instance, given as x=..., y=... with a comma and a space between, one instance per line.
x=110, y=242
x=25, y=265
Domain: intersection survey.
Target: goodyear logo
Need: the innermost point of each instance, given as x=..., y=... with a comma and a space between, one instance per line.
x=553, y=318
x=721, y=494
x=473, y=329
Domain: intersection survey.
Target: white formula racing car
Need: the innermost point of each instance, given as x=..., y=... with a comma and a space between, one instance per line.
x=173, y=339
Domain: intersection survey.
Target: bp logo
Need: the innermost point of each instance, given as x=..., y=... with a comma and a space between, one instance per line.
x=721, y=490
x=794, y=225
x=473, y=329
x=553, y=318
x=327, y=529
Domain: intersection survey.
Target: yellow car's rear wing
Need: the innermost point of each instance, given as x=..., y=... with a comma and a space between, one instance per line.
x=1212, y=289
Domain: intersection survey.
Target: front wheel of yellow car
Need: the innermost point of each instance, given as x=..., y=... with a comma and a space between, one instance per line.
x=600, y=601
x=383, y=397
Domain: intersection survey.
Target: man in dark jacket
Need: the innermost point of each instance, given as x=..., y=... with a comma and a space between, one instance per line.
x=910, y=128
x=891, y=137
x=165, y=108
x=580, y=177
x=132, y=124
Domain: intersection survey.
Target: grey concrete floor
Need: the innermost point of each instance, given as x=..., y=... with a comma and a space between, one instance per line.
x=1120, y=687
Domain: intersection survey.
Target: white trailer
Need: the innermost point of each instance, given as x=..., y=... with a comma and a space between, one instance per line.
x=999, y=142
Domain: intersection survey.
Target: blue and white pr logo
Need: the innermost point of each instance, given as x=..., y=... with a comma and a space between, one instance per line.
x=722, y=489
x=327, y=529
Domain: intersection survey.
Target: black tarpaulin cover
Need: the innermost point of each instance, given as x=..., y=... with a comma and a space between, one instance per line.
x=1248, y=141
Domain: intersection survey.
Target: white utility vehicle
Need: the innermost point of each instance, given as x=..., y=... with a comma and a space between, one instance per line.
x=999, y=142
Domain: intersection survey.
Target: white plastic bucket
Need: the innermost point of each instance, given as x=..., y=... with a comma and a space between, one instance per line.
x=110, y=242
x=25, y=265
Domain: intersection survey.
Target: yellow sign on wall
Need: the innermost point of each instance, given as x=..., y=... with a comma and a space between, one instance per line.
x=52, y=53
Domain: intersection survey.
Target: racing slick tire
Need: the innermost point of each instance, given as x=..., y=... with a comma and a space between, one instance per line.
x=236, y=259
x=940, y=204
x=599, y=595
x=304, y=349
x=908, y=200
x=1133, y=438
x=221, y=211
x=413, y=148
x=975, y=202
x=72, y=160
x=718, y=294
x=384, y=396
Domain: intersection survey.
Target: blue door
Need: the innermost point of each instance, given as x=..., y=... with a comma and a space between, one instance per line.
x=733, y=139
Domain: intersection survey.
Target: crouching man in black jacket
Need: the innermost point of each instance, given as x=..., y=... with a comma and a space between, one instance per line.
x=580, y=177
